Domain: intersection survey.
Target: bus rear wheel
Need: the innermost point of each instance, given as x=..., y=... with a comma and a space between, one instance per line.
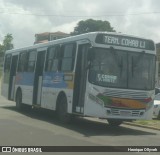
x=114, y=122
x=62, y=113
x=158, y=117
x=19, y=100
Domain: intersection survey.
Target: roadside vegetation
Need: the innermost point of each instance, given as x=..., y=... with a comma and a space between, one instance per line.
x=153, y=123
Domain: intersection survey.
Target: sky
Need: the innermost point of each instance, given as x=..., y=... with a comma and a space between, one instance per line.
x=25, y=18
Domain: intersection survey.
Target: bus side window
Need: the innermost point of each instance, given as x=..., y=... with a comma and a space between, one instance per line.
x=68, y=55
x=52, y=59
x=7, y=63
x=31, y=61
x=23, y=61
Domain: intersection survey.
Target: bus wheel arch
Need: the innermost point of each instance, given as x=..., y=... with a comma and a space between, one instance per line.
x=62, y=108
x=18, y=98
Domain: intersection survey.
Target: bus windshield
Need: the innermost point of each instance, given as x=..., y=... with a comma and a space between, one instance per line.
x=122, y=69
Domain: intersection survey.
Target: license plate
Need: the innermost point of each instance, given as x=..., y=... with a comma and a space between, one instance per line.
x=125, y=113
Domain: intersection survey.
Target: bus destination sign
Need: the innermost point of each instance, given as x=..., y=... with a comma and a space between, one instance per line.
x=125, y=41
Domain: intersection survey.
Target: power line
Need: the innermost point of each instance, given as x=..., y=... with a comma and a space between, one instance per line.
x=72, y=11
x=79, y=16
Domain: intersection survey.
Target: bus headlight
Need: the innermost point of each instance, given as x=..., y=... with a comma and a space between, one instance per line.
x=156, y=106
x=149, y=105
x=96, y=99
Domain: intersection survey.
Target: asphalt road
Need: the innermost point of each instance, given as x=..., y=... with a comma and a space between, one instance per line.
x=41, y=128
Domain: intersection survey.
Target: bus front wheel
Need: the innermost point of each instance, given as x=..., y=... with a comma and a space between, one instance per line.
x=62, y=113
x=114, y=122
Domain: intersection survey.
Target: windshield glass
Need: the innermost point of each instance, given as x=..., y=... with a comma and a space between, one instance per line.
x=141, y=71
x=122, y=69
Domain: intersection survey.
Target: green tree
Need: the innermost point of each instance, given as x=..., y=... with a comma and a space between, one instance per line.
x=91, y=25
x=1, y=50
x=7, y=42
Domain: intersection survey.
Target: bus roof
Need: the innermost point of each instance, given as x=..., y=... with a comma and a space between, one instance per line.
x=89, y=36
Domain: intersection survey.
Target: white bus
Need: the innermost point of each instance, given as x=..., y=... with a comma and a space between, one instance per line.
x=104, y=75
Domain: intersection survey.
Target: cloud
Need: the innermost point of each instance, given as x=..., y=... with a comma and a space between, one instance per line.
x=25, y=18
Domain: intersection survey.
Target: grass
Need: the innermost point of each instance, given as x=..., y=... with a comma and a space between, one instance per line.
x=142, y=122
x=154, y=123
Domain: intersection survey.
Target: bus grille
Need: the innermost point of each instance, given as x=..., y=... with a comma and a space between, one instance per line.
x=126, y=94
x=132, y=113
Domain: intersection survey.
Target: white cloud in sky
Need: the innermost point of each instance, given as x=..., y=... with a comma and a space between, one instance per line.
x=18, y=17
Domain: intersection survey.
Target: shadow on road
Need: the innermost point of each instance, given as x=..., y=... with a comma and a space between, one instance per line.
x=84, y=126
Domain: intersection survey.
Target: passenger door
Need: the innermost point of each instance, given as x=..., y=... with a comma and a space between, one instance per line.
x=11, y=86
x=80, y=79
x=38, y=77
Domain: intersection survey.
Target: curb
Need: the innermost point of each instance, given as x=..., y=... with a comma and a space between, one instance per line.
x=143, y=126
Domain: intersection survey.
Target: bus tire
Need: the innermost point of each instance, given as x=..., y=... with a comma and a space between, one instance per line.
x=62, y=113
x=158, y=117
x=19, y=100
x=114, y=122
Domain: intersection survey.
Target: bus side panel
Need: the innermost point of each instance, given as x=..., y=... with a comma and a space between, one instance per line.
x=25, y=81
x=53, y=84
x=49, y=96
